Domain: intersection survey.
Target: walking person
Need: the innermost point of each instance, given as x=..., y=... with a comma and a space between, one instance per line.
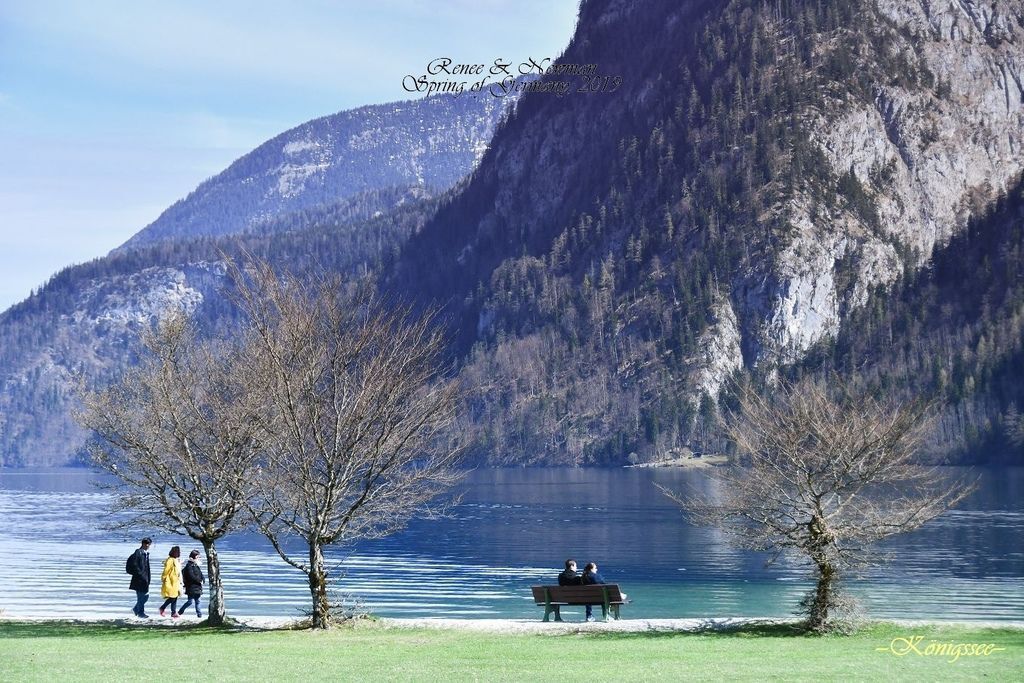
x=170, y=582
x=193, y=577
x=138, y=566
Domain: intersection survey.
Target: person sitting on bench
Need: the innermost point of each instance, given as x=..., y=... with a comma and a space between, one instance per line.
x=591, y=577
x=569, y=577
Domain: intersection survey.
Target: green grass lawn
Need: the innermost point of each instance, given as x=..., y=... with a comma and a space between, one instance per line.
x=55, y=651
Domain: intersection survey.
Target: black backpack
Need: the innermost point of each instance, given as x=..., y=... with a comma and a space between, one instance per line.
x=129, y=566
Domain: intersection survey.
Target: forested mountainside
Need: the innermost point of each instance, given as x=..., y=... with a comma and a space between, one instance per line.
x=84, y=324
x=954, y=331
x=381, y=167
x=423, y=145
x=763, y=168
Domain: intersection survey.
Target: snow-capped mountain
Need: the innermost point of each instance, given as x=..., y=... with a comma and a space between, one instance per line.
x=426, y=144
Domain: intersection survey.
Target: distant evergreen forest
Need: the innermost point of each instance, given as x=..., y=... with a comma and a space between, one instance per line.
x=37, y=415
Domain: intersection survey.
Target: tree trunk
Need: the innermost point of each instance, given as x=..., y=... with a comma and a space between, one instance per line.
x=819, y=620
x=215, y=601
x=318, y=587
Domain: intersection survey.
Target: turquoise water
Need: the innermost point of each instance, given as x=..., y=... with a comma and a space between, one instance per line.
x=512, y=529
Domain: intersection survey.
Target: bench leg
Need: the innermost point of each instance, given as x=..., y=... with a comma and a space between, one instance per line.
x=548, y=607
x=604, y=612
x=615, y=612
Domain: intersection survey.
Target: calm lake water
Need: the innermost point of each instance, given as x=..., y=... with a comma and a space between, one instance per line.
x=513, y=529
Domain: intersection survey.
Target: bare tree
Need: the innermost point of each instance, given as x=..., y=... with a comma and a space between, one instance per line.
x=360, y=417
x=181, y=433
x=825, y=478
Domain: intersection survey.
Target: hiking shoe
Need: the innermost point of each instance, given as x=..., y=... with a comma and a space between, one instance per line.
x=143, y=615
x=590, y=618
x=199, y=615
x=161, y=611
x=175, y=615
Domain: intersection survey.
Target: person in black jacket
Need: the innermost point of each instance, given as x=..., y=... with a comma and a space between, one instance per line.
x=193, y=577
x=569, y=577
x=138, y=567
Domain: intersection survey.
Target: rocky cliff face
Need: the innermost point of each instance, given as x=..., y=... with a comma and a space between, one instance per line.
x=89, y=343
x=928, y=159
x=761, y=171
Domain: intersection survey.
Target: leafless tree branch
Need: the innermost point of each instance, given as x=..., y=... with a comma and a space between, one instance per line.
x=827, y=475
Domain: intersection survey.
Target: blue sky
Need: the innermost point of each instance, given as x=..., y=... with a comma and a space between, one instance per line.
x=111, y=111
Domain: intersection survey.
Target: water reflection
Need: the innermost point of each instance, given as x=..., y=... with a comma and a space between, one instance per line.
x=512, y=529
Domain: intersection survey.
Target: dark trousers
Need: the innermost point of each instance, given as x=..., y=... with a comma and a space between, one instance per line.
x=140, y=603
x=173, y=602
x=189, y=602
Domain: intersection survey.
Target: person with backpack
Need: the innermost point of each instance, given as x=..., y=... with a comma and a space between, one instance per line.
x=193, y=578
x=138, y=566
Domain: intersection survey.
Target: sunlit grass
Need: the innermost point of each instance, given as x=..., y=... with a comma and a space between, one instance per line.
x=61, y=651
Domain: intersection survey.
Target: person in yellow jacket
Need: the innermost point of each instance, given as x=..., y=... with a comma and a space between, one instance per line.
x=170, y=582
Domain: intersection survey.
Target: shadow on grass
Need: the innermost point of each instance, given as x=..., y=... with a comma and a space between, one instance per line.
x=135, y=629
x=747, y=630
x=116, y=629
x=870, y=629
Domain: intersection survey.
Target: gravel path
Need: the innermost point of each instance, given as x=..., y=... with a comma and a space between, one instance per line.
x=563, y=627
x=531, y=626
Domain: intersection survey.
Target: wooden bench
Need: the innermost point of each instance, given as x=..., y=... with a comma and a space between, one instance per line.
x=607, y=595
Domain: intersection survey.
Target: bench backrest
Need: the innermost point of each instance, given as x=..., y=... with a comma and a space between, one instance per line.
x=577, y=595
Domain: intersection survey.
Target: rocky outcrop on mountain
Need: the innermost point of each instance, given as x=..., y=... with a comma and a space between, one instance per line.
x=952, y=332
x=928, y=159
x=91, y=342
x=720, y=355
x=422, y=146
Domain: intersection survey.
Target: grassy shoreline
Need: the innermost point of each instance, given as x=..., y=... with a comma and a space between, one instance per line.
x=372, y=650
